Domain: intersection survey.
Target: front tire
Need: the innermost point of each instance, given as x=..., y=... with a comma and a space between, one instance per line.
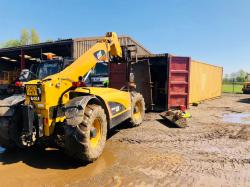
x=85, y=142
x=138, y=109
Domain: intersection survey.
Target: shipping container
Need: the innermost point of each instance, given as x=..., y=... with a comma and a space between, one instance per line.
x=169, y=82
x=81, y=45
x=205, y=81
x=163, y=80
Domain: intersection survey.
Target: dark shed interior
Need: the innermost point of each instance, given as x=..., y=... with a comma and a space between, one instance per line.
x=11, y=58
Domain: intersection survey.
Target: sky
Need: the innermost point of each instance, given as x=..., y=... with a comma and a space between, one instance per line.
x=212, y=31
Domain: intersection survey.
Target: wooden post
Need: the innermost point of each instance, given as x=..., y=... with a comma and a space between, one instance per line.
x=233, y=84
x=22, y=60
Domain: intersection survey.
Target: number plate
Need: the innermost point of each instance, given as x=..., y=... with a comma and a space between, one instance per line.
x=31, y=90
x=33, y=93
x=35, y=98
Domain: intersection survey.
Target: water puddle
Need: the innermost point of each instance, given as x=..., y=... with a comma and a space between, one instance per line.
x=49, y=168
x=238, y=118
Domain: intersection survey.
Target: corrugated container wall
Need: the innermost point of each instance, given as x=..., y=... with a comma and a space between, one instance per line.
x=205, y=81
x=81, y=45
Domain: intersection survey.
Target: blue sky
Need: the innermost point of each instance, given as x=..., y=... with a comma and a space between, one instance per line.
x=213, y=31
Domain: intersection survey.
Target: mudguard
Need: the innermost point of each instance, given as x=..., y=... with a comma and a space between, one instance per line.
x=74, y=110
x=7, y=105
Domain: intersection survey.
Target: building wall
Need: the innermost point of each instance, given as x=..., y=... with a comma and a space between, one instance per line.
x=205, y=81
x=81, y=45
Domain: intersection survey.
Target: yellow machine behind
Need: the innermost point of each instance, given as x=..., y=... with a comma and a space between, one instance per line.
x=61, y=111
x=246, y=85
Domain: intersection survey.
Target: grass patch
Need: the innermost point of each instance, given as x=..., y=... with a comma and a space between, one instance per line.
x=228, y=88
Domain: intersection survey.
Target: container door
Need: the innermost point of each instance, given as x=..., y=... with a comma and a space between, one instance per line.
x=142, y=75
x=178, y=83
x=117, y=75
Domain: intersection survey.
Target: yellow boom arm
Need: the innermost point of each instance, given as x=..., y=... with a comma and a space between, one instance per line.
x=109, y=46
x=54, y=88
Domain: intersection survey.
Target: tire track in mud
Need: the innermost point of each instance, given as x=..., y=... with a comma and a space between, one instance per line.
x=210, y=152
x=210, y=149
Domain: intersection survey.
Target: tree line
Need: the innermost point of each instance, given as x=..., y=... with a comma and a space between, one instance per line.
x=239, y=76
x=27, y=37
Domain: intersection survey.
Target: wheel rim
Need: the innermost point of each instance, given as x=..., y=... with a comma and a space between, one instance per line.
x=97, y=127
x=137, y=111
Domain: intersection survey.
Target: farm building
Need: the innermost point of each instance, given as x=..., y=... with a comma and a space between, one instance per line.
x=13, y=59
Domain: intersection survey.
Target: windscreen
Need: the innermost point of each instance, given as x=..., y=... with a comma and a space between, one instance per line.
x=48, y=68
x=101, y=69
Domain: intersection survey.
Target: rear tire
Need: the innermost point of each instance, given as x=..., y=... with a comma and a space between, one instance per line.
x=85, y=142
x=5, y=137
x=10, y=131
x=138, y=109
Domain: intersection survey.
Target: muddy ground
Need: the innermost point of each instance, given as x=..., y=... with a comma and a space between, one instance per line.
x=213, y=151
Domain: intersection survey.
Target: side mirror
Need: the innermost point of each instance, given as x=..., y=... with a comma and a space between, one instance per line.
x=92, y=72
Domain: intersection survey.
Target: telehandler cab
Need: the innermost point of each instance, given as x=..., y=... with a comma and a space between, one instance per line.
x=39, y=70
x=59, y=110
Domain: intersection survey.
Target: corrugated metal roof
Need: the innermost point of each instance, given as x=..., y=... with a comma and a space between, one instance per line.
x=39, y=45
x=81, y=45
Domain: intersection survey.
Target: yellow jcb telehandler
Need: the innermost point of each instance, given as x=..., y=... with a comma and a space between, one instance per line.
x=61, y=111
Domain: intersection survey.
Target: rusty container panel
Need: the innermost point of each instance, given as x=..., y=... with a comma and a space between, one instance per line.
x=117, y=75
x=142, y=78
x=81, y=45
x=178, y=81
x=205, y=81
